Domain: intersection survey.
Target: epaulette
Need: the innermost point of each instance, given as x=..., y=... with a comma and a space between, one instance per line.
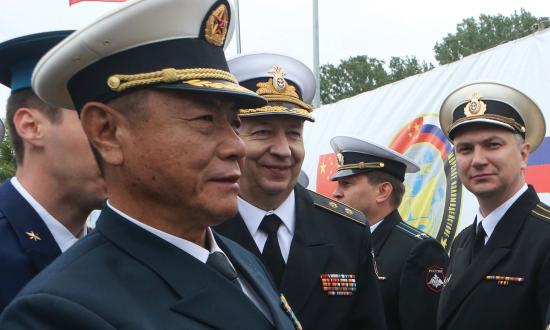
x=344, y=210
x=411, y=231
x=541, y=211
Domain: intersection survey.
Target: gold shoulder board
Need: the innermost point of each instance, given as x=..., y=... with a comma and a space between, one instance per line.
x=344, y=210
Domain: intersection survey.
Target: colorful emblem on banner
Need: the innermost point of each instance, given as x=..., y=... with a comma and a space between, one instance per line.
x=433, y=195
x=338, y=284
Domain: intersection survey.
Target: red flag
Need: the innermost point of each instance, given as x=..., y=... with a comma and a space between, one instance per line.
x=325, y=170
x=72, y=2
x=407, y=136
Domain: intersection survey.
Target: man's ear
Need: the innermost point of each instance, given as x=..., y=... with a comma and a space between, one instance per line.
x=384, y=192
x=525, y=150
x=103, y=126
x=29, y=125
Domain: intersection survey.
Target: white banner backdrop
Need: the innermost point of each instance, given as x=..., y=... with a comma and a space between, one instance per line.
x=404, y=115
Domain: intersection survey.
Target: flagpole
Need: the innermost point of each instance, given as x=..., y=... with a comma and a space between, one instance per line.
x=238, y=29
x=317, y=98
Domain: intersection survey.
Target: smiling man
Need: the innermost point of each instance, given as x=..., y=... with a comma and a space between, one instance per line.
x=499, y=272
x=317, y=250
x=159, y=107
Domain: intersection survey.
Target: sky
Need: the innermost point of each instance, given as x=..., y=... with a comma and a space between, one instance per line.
x=347, y=28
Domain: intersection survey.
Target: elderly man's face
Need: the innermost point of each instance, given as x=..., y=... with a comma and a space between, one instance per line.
x=274, y=155
x=185, y=154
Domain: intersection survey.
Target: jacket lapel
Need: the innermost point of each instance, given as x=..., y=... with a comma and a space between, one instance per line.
x=236, y=230
x=496, y=249
x=258, y=279
x=383, y=231
x=196, y=284
x=32, y=233
x=309, y=253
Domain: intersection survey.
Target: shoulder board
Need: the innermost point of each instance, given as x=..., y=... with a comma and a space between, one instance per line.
x=411, y=231
x=541, y=211
x=341, y=209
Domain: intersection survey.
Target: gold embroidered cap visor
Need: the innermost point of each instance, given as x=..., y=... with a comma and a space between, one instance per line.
x=153, y=44
x=286, y=83
x=356, y=156
x=495, y=104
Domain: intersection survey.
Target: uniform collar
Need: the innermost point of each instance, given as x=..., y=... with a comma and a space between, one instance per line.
x=492, y=219
x=252, y=215
x=373, y=227
x=62, y=236
x=197, y=251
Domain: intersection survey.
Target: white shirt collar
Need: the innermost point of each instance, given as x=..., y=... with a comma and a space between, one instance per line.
x=492, y=219
x=253, y=215
x=62, y=236
x=373, y=227
x=193, y=249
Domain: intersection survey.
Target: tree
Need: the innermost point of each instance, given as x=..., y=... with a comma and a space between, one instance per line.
x=487, y=31
x=401, y=68
x=362, y=73
x=7, y=160
x=351, y=77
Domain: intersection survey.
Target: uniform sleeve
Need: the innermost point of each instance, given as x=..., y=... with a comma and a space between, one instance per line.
x=368, y=311
x=48, y=312
x=420, y=285
x=544, y=290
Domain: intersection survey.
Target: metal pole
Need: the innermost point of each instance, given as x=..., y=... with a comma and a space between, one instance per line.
x=238, y=29
x=317, y=98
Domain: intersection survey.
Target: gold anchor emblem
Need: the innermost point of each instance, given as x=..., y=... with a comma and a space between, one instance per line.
x=33, y=236
x=279, y=82
x=475, y=107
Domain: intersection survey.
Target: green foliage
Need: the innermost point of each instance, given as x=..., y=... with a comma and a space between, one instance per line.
x=475, y=35
x=362, y=73
x=7, y=160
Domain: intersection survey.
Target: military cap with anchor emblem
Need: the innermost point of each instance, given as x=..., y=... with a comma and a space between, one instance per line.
x=356, y=156
x=496, y=104
x=288, y=84
x=176, y=45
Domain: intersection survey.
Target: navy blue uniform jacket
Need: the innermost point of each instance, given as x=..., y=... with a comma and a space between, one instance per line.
x=21, y=256
x=519, y=247
x=329, y=238
x=123, y=277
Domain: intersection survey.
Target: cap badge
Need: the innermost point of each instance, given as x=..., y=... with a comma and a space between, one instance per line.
x=340, y=158
x=475, y=107
x=215, y=30
x=279, y=82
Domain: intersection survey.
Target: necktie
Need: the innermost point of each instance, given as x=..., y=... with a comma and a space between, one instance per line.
x=218, y=261
x=271, y=254
x=479, y=240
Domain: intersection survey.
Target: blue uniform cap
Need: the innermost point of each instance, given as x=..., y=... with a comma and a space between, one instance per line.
x=19, y=56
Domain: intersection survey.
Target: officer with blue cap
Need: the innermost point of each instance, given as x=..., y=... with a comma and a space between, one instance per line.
x=160, y=109
x=410, y=264
x=44, y=207
x=317, y=250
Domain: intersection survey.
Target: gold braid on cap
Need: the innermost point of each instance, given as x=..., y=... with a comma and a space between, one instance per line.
x=272, y=108
x=508, y=121
x=120, y=82
x=286, y=94
x=361, y=165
